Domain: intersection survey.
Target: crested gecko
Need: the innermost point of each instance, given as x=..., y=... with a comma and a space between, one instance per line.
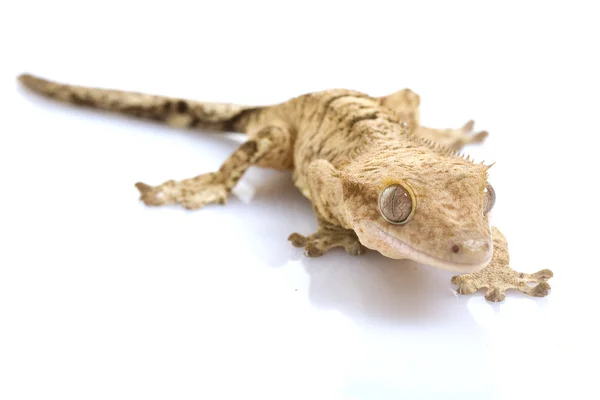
x=377, y=179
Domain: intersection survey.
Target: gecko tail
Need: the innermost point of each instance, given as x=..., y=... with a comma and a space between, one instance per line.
x=181, y=113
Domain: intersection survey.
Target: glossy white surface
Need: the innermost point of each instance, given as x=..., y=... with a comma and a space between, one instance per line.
x=101, y=297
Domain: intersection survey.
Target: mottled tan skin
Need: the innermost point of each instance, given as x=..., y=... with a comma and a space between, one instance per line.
x=344, y=148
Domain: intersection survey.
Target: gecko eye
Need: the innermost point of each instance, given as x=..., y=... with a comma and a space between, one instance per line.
x=397, y=204
x=489, y=199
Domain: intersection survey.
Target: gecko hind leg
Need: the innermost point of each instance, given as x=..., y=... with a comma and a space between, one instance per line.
x=327, y=237
x=406, y=104
x=215, y=187
x=497, y=277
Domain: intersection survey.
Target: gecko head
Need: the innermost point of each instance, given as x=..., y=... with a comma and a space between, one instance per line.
x=426, y=207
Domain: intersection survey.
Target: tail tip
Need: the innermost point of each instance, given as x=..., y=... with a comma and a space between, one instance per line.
x=24, y=78
x=143, y=188
x=29, y=81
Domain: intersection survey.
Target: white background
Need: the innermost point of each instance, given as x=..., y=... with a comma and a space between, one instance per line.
x=103, y=298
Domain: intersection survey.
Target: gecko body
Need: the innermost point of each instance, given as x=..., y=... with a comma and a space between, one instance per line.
x=377, y=178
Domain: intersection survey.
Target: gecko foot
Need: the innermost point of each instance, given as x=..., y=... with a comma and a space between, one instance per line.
x=497, y=281
x=324, y=239
x=191, y=193
x=465, y=135
x=473, y=137
x=453, y=139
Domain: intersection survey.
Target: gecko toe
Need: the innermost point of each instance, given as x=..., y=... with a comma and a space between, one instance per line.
x=150, y=195
x=297, y=239
x=468, y=127
x=143, y=187
x=479, y=137
x=311, y=250
x=467, y=287
x=495, y=294
x=543, y=275
x=540, y=290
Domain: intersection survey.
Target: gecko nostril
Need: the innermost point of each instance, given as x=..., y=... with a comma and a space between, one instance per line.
x=455, y=248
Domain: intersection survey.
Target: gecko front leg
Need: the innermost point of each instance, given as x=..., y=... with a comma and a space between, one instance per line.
x=214, y=187
x=325, y=192
x=497, y=277
x=327, y=237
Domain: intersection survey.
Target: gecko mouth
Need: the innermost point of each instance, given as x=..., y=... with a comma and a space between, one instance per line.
x=392, y=247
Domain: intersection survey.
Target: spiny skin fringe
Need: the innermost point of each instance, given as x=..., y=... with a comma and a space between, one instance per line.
x=445, y=151
x=442, y=150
